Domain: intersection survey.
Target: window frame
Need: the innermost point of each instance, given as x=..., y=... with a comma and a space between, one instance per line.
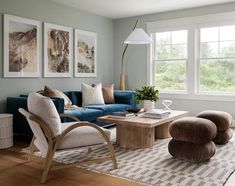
x=219, y=57
x=194, y=24
x=153, y=36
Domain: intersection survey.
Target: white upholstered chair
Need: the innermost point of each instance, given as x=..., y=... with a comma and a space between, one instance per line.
x=49, y=134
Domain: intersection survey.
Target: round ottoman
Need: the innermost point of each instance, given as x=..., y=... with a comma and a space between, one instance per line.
x=223, y=121
x=192, y=139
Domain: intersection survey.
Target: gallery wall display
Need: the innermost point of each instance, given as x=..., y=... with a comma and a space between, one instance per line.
x=22, y=47
x=85, y=52
x=58, y=51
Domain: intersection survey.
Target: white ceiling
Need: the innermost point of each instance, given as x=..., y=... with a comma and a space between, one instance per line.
x=126, y=8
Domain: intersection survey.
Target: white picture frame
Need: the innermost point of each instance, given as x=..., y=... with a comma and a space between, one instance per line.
x=85, y=53
x=22, y=47
x=58, y=50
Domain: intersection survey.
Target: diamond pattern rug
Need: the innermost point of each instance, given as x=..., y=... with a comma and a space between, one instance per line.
x=155, y=166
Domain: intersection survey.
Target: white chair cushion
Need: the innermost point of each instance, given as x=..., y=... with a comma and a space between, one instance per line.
x=92, y=95
x=44, y=108
x=81, y=136
x=40, y=141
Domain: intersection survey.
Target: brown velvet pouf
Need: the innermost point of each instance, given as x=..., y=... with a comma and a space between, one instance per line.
x=223, y=121
x=192, y=139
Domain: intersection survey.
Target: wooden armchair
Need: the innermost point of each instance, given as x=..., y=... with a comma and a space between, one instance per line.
x=51, y=135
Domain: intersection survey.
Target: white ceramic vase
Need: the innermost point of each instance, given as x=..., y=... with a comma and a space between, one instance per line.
x=148, y=105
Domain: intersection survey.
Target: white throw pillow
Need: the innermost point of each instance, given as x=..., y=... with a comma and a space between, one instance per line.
x=44, y=108
x=92, y=95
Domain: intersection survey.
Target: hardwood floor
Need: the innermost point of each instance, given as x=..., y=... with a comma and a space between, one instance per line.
x=16, y=171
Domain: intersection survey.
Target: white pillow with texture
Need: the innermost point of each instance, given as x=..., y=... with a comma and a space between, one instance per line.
x=44, y=108
x=92, y=95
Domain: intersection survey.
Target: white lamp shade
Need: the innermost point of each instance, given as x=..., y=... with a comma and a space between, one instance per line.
x=138, y=36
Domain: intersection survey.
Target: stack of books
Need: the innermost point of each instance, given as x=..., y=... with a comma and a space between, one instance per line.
x=157, y=114
x=121, y=115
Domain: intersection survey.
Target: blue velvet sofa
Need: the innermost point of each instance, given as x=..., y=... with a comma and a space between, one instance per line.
x=123, y=100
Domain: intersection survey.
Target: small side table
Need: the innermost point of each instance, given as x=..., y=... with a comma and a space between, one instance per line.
x=6, y=131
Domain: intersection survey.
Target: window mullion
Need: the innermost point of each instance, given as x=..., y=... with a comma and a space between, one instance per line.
x=191, y=75
x=197, y=61
x=218, y=42
x=151, y=62
x=153, y=71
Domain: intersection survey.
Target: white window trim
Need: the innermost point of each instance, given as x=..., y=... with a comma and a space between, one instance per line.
x=192, y=75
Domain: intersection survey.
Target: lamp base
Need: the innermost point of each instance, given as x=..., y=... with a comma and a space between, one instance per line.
x=122, y=82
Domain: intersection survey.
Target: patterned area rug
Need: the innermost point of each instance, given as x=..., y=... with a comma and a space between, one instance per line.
x=155, y=166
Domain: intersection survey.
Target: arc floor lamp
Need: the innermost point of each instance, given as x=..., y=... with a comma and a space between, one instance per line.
x=137, y=36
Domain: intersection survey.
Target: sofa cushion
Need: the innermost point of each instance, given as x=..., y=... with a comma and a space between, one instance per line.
x=108, y=93
x=44, y=108
x=86, y=114
x=75, y=97
x=108, y=108
x=92, y=95
x=81, y=136
x=51, y=92
x=125, y=97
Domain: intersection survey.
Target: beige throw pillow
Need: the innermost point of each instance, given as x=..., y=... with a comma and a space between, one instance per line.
x=43, y=108
x=51, y=92
x=108, y=93
x=92, y=95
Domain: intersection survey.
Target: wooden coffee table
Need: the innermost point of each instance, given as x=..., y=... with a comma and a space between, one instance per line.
x=139, y=132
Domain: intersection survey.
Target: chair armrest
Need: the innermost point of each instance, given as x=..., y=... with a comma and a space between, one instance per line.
x=125, y=97
x=69, y=116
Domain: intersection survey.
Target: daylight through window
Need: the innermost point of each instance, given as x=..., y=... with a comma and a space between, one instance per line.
x=198, y=60
x=217, y=59
x=171, y=58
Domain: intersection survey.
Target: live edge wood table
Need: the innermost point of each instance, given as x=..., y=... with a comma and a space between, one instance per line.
x=139, y=132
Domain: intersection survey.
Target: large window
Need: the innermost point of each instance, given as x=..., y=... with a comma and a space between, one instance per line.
x=217, y=59
x=194, y=57
x=171, y=58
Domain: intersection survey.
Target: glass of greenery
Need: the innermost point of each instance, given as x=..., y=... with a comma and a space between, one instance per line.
x=148, y=94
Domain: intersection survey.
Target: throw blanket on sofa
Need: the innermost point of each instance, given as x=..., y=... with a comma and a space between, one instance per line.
x=73, y=107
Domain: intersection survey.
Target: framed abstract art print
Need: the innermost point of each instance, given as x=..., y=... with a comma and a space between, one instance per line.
x=22, y=47
x=58, y=51
x=85, y=44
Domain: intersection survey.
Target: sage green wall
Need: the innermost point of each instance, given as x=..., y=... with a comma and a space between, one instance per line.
x=136, y=55
x=46, y=11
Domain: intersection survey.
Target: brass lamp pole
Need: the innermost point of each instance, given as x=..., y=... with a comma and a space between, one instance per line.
x=122, y=75
x=137, y=36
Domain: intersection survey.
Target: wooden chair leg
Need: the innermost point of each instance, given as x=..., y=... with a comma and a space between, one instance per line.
x=48, y=162
x=112, y=153
x=31, y=149
x=47, y=167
